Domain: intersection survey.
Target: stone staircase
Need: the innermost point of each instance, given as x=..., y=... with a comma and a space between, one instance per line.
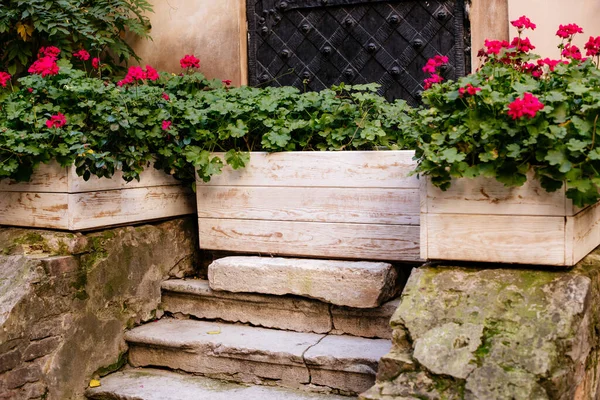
x=262, y=328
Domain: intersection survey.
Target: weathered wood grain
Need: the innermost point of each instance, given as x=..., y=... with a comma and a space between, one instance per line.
x=48, y=178
x=488, y=196
x=585, y=235
x=337, y=240
x=39, y=210
x=117, y=207
x=352, y=205
x=52, y=178
x=496, y=238
x=359, y=169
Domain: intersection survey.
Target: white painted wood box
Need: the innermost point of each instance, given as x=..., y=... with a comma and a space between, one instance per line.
x=353, y=204
x=57, y=198
x=482, y=220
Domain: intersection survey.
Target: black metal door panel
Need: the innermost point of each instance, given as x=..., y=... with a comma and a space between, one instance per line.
x=313, y=44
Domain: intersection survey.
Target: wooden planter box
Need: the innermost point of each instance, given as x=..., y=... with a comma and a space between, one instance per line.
x=482, y=220
x=57, y=198
x=354, y=204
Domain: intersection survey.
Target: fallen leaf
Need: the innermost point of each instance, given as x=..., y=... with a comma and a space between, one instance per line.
x=24, y=30
x=94, y=383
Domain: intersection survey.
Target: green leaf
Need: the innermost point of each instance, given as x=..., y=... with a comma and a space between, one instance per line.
x=452, y=155
x=237, y=159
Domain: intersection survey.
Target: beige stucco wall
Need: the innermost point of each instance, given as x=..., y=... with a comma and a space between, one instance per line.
x=549, y=14
x=212, y=30
x=489, y=20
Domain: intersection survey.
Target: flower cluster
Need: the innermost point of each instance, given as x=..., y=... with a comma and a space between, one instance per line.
x=82, y=55
x=432, y=67
x=4, y=78
x=494, y=47
x=592, y=47
x=189, y=61
x=571, y=51
x=568, y=31
x=522, y=44
x=46, y=63
x=528, y=106
x=56, y=121
x=136, y=74
x=469, y=89
x=523, y=23
x=95, y=63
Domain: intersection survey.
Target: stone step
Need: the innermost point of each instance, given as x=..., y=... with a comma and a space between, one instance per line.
x=330, y=363
x=155, y=384
x=344, y=283
x=197, y=299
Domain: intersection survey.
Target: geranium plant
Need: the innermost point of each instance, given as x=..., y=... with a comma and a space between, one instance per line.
x=517, y=113
x=176, y=121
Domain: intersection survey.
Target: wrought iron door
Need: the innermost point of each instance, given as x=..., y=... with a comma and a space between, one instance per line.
x=313, y=44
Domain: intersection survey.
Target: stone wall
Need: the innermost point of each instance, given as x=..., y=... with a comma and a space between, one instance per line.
x=66, y=299
x=462, y=333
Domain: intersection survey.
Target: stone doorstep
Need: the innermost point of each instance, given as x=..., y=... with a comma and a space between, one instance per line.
x=153, y=384
x=343, y=283
x=258, y=355
x=196, y=298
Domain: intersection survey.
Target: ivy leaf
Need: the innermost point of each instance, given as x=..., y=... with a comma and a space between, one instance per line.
x=452, y=155
x=238, y=130
x=577, y=88
x=237, y=159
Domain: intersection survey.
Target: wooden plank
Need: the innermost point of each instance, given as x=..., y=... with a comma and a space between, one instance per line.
x=52, y=178
x=352, y=205
x=586, y=232
x=424, y=238
x=47, y=178
x=92, y=210
x=150, y=177
x=488, y=196
x=493, y=238
x=38, y=210
x=360, y=169
x=313, y=239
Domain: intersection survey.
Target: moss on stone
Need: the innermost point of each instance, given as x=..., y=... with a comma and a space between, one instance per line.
x=117, y=365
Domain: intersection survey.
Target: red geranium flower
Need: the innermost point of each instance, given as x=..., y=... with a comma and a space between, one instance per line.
x=166, y=97
x=49, y=51
x=82, y=55
x=435, y=78
x=523, y=23
x=56, y=121
x=469, y=89
x=95, y=63
x=151, y=73
x=189, y=61
x=495, y=46
x=566, y=31
x=166, y=125
x=528, y=106
x=522, y=45
x=226, y=82
x=572, y=52
x=4, y=78
x=592, y=47
x=44, y=66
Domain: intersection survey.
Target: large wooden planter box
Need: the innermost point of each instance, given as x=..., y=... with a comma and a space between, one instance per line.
x=57, y=198
x=357, y=205
x=482, y=220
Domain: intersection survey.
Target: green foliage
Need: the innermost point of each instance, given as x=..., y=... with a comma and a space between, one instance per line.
x=99, y=26
x=473, y=135
x=178, y=121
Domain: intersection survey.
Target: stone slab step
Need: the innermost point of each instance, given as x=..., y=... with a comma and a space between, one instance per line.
x=241, y=353
x=344, y=283
x=154, y=384
x=196, y=298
